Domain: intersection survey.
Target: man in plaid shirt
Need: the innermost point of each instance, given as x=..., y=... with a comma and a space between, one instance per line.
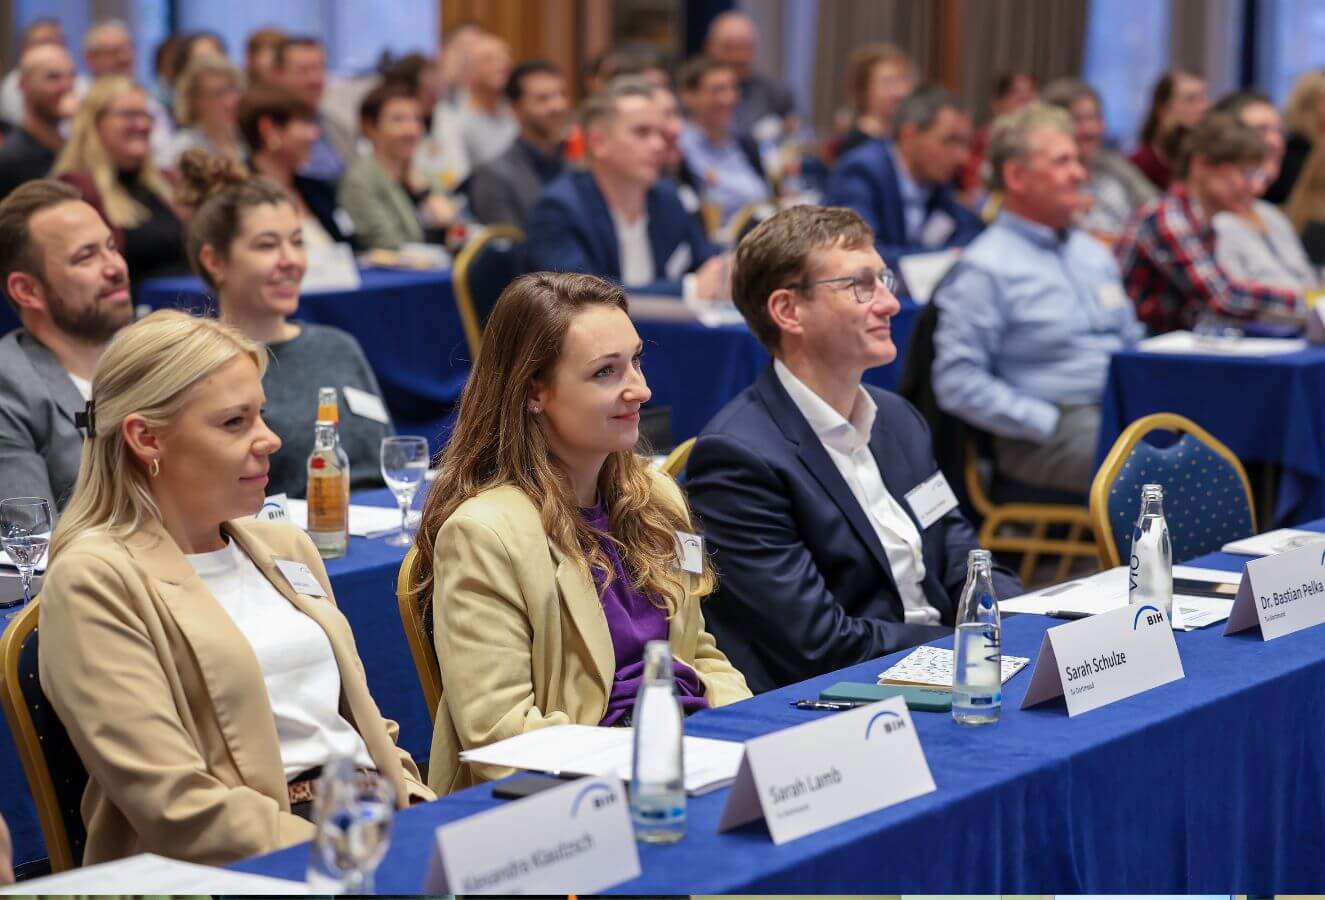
x=1167, y=253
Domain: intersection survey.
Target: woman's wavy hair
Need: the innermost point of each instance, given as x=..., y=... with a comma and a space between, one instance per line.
x=85, y=153
x=148, y=369
x=497, y=441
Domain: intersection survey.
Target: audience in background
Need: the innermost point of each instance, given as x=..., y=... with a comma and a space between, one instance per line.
x=722, y=164
x=801, y=482
x=1033, y=311
x=457, y=43
x=200, y=687
x=381, y=192
x=108, y=50
x=501, y=192
x=65, y=278
x=280, y=131
x=165, y=68
x=547, y=552
x=46, y=82
x=1306, y=206
x=766, y=106
x=246, y=243
x=1115, y=188
x=1179, y=99
x=109, y=159
x=38, y=33
x=1167, y=253
x=879, y=76
x=1304, y=118
x=260, y=55
x=618, y=219
x=673, y=162
x=1012, y=91
x=442, y=165
x=903, y=188
x=481, y=119
x=300, y=67
x=206, y=111
x=1255, y=242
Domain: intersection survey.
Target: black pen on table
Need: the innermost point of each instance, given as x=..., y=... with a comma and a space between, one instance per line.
x=833, y=705
x=1067, y=614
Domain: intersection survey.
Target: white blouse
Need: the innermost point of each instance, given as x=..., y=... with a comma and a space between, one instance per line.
x=1274, y=257
x=298, y=666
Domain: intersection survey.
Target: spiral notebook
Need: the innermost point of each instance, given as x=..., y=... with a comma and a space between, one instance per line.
x=932, y=667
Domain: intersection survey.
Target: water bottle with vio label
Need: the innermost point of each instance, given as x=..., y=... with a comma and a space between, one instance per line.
x=977, y=680
x=1150, y=575
x=657, y=782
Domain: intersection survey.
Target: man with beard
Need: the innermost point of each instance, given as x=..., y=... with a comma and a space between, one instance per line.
x=46, y=79
x=67, y=281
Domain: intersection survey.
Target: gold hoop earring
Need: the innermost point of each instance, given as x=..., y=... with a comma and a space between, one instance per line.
x=155, y=468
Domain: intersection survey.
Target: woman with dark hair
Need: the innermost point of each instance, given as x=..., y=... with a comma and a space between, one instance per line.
x=548, y=553
x=1180, y=98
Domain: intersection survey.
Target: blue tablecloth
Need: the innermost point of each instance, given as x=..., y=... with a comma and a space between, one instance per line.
x=1269, y=410
x=1211, y=784
x=364, y=582
x=696, y=370
x=406, y=322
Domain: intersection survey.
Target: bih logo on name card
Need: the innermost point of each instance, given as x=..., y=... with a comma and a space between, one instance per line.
x=594, y=797
x=888, y=722
x=1152, y=614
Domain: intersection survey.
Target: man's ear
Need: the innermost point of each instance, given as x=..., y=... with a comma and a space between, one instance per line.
x=785, y=311
x=26, y=291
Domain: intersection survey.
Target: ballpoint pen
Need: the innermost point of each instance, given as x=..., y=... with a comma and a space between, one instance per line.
x=1067, y=614
x=834, y=705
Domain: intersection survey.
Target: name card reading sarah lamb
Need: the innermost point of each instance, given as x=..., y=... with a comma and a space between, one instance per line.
x=575, y=839
x=803, y=779
x=1105, y=658
x=1282, y=593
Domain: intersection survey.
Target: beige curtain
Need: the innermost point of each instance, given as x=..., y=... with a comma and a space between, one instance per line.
x=1205, y=37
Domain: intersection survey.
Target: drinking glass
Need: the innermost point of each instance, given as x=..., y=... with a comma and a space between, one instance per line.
x=404, y=466
x=354, y=812
x=25, y=531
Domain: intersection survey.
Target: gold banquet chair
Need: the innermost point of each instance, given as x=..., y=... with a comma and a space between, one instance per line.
x=483, y=269
x=425, y=656
x=55, y=774
x=675, y=463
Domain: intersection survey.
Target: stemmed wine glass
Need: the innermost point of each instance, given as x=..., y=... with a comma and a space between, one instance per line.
x=404, y=466
x=354, y=811
x=25, y=531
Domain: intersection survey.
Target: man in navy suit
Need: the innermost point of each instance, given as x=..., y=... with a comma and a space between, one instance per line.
x=903, y=188
x=835, y=536
x=619, y=220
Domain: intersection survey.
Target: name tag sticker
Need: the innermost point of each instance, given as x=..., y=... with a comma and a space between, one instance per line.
x=1111, y=295
x=678, y=263
x=932, y=499
x=301, y=578
x=810, y=777
x=572, y=839
x=1103, y=659
x=366, y=405
x=1282, y=593
x=690, y=552
x=937, y=229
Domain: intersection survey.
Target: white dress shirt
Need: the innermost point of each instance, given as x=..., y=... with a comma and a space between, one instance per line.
x=298, y=666
x=632, y=240
x=848, y=446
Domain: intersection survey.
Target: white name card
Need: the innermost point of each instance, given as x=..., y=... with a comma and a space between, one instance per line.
x=575, y=839
x=1105, y=658
x=275, y=508
x=804, y=779
x=1283, y=593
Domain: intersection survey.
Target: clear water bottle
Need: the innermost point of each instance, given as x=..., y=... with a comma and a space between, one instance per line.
x=1150, y=576
x=657, y=782
x=977, y=682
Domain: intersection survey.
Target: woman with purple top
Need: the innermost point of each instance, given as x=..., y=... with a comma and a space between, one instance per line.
x=548, y=554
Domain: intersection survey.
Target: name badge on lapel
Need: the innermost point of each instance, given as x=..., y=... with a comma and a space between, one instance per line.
x=690, y=552
x=932, y=499
x=301, y=578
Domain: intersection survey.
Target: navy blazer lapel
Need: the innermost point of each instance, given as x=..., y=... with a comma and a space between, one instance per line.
x=658, y=243
x=812, y=453
x=599, y=220
x=893, y=207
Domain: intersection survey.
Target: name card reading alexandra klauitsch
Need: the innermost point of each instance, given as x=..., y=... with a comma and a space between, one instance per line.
x=1282, y=593
x=1102, y=659
x=803, y=779
x=575, y=839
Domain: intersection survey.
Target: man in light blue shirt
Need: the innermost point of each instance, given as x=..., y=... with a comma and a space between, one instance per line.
x=724, y=168
x=1032, y=312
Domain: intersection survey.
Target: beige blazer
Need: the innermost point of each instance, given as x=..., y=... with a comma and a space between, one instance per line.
x=522, y=638
x=166, y=705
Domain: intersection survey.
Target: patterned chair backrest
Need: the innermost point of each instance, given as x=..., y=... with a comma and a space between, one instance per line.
x=67, y=775
x=495, y=266
x=1205, y=497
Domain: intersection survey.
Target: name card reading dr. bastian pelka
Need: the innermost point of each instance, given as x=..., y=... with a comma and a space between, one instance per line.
x=1282, y=593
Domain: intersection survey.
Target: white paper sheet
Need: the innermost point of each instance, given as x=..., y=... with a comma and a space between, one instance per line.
x=1107, y=590
x=365, y=521
x=923, y=271
x=1184, y=342
x=151, y=874
x=590, y=750
x=1281, y=540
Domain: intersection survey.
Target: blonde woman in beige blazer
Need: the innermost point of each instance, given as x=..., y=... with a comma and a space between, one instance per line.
x=159, y=684
x=540, y=494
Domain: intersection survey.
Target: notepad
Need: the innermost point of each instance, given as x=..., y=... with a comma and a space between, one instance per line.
x=1281, y=540
x=932, y=667
x=147, y=873
x=593, y=750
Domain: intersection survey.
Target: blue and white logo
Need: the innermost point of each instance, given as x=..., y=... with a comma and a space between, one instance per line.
x=888, y=720
x=598, y=796
x=1153, y=618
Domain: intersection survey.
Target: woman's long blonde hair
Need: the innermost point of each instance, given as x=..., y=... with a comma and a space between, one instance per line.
x=1306, y=203
x=85, y=153
x=497, y=441
x=1301, y=115
x=147, y=369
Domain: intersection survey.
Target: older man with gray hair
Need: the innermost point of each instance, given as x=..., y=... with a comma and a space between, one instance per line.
x=1032, y=312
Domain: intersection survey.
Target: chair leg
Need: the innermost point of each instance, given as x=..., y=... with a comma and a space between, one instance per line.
x=1032, y=555
x=1065, y=563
